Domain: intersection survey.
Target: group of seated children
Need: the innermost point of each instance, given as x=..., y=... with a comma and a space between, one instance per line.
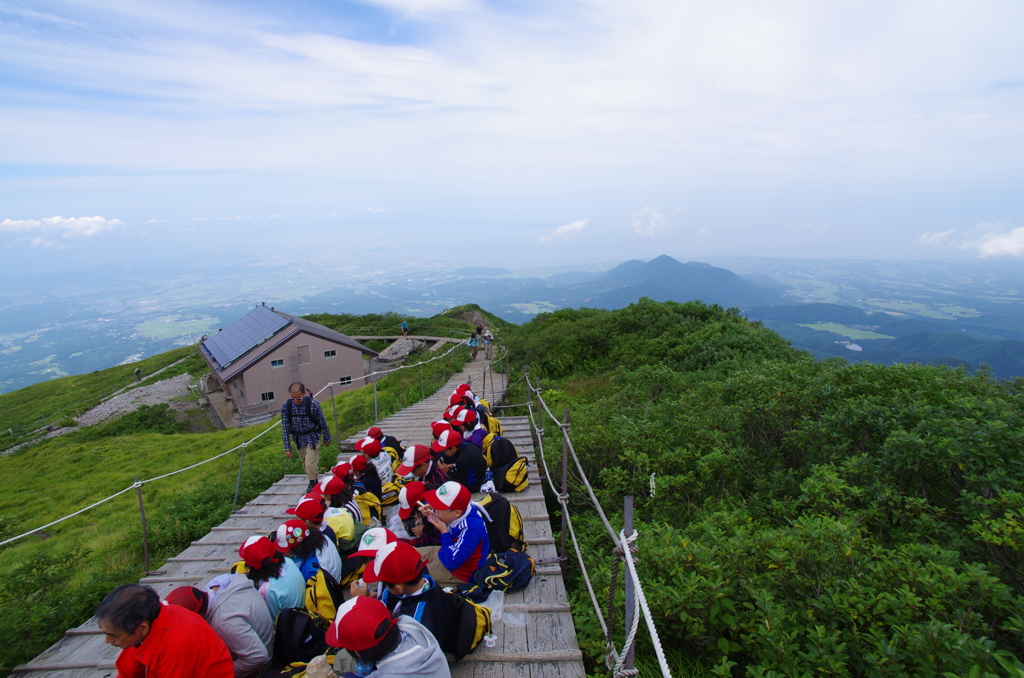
x=392, y=604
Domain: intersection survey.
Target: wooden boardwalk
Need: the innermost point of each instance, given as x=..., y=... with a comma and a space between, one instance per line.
x=538, y=640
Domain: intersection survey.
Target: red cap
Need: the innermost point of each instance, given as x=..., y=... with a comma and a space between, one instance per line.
x=373, y=539
x=395, y=563
x=193, y=599
x=342, y=469
x=438, y=426
x=465, y=416
x=374, y=432
x=369, y=447
x=413, y=457
x=291, y=533
x=330, y=485
x=361, y=623
x=450, y=412
x=455, y=399
x=358, y=462
x=408, y=497
x=461, y=388
x=450, y=496
x=255, y=550
x=311, y=508
x=445, y=440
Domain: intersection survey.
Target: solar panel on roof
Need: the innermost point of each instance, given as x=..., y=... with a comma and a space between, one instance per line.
x=250, y=330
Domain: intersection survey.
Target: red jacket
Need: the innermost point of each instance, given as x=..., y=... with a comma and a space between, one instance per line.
x=180, y=644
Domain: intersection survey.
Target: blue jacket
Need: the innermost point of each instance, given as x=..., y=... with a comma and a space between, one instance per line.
x=464, y=547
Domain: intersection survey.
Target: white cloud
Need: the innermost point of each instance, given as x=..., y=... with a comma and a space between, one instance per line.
x=1007, y=244
x=566, y=231
x=942, y=238
x=372, y=210
x=989, y=239
x=273, y=216
x=648, y=221
x=72, y=227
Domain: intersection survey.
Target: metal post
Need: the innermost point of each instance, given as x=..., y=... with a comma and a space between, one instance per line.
x=145, y=531
x=483, y=390
x=423, y=393
x=628, y=519
x=375, y=419
x=238, y=481
x=337, y=429
x=565, y=485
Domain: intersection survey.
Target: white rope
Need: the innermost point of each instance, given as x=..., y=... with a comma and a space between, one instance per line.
x=579, y=466
x=207, y=461
x=563, y=500
x=642, y=600
x=134, y=485
x=615, y=660
x=60, y=520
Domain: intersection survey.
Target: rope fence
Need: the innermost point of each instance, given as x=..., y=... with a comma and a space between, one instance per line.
x=138, y=483
x=619, y=663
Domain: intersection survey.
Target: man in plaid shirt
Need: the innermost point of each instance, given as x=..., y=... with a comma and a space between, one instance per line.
x=302, y=418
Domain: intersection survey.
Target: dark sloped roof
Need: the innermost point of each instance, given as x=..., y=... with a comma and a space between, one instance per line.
x=239, y=337
x=292, y=326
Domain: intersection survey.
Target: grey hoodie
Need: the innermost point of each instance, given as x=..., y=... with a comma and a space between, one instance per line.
x=240, y=617
x=417, y=655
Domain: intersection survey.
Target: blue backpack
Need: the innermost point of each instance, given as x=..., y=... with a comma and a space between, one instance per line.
x=508, y=571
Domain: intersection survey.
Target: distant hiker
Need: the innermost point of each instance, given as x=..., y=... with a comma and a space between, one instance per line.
x=474, y=343
x=302, y=418
x=405, y=328
x=138, y=374
x=479, y=329
x=160, y=641
x=236, y=611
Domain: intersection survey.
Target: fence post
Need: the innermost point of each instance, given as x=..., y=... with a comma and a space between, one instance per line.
x=337, y=430
x=375, y=418
x=628, y=520
x=423, y=393
x=145, y=531
x=565, y=486
x=238, y=481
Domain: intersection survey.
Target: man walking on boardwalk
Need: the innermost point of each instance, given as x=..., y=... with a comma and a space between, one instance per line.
x=302, y=418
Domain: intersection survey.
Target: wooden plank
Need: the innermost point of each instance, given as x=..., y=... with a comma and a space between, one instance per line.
x=522, y=657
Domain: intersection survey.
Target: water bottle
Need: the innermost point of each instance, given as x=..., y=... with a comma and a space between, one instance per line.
x=488, y=476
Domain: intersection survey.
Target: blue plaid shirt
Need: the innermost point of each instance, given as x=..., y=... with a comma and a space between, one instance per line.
x=314, y=425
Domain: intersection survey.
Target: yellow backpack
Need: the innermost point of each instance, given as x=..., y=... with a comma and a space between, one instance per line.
x=389, y=493
x=323, y=596
x=370, y=506
x=512, y=477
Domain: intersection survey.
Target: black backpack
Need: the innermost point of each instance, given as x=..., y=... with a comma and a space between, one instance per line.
x=503, y=453
x=308, y=403
x=299, y=636
x=505, y=529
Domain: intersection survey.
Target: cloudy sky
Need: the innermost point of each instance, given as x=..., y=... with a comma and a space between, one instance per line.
x=510, y=132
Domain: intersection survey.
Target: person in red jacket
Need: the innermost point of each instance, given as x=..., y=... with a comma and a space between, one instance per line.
x=160, y=641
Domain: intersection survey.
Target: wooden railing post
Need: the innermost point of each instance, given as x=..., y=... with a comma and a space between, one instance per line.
x=628, y=520
x=565, y=486
x=145, y=531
